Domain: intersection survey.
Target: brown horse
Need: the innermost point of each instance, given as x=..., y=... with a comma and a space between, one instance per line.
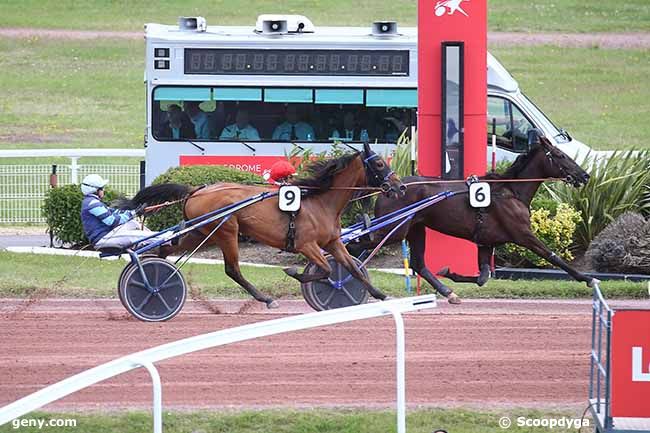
x=327, y=191
x=507, y=219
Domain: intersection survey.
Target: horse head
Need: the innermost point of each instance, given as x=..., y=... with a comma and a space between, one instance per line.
x=559, y=164
x=379, y=174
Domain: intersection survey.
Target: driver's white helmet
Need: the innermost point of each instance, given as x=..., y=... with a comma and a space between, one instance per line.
x=92, y=183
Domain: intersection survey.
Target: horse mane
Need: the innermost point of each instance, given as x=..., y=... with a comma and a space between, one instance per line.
x=515, y=168
x=320, y=174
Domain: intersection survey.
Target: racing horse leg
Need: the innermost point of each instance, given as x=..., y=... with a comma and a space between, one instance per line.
x=417, y=241
x=228, y=243
x=313, y=252
x=484, y=254
x=341, y=255
x=531, y=242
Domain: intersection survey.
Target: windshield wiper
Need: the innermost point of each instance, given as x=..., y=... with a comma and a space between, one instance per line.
x=297, y=145
x=202, y=149
x=247, y=145
x=564, y=134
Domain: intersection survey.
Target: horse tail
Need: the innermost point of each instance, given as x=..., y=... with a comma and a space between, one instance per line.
x=156, y=194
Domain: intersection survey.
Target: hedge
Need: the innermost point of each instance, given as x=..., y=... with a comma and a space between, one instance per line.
x=555, y=227
x=62, y=211
x=195, y=175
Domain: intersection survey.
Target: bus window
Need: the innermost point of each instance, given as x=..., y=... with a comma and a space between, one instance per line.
x=283, y=114
x=512, y=126
x=182, y=113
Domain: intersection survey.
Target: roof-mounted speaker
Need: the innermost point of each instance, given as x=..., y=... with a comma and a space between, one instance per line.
x=274, y=27
x=384, y=28
x=273, y=24
x=192, y=24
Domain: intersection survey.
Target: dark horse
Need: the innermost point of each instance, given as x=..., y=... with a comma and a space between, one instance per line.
x=317, y=224
x=507, y=219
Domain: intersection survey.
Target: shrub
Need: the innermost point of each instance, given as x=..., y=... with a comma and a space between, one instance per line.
x=195, y=175
x=556, y=230
x=62, y=211
x=623, y=246
x=618, y=184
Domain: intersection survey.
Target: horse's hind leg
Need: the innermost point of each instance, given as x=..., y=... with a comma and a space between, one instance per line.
x=227, y=241
x=417, y=242
x=341, y=255
x=484, y=254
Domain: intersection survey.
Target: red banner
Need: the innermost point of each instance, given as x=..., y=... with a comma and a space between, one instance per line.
x=631, y=364
x=254, y=164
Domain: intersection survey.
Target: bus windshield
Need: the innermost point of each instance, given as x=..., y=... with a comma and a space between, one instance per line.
x=282, y=114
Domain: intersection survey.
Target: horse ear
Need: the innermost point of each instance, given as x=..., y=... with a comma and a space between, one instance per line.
x=367, y=149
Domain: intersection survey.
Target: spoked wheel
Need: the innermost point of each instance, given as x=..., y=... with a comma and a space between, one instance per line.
x=340, y=290
x=168, y=295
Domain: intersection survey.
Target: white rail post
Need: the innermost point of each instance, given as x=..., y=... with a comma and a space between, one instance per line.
x=74, y=169
x=401, y=372
x=157, y=393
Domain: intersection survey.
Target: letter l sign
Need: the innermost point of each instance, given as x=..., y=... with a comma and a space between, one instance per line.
x=637, y=368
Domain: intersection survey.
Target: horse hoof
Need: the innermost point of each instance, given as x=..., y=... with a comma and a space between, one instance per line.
x=453, y=299
x=292, y=271
x=443, y=272
x=388, y=298
x=272, y=304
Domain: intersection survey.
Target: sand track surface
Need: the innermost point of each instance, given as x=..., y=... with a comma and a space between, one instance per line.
x=482, y=353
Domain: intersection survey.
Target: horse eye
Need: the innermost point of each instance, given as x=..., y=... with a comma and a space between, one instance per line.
x=380, y=164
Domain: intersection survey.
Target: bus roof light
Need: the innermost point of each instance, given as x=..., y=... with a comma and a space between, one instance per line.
x=197, y=24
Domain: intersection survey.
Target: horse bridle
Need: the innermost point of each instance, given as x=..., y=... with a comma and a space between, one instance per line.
x=549, y=155
x=374, y=176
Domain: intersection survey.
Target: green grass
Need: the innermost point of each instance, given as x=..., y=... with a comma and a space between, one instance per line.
x=504, y=15
x=599, y=96
x=90, y=93
x=299, y=421
x=72, y=94
x=78, y=277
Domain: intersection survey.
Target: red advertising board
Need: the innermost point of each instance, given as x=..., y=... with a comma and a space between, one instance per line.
x=254, y=164
x=630, y=364
x=442, y=21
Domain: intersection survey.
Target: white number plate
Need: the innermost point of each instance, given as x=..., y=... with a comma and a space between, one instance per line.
x=479, y=194
x=289, y=198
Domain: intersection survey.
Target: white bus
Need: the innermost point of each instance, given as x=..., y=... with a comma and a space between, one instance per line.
x=245, y=96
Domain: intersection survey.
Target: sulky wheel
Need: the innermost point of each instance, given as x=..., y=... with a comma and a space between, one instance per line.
x=120, y=281
x=166, y=299
x=325, y=295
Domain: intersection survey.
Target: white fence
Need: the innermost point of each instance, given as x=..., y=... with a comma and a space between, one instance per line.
x=23, y=186
x=147, y=358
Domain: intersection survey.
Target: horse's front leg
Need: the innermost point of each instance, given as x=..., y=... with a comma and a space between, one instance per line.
x=313, y=252
x=531, y=242
x=484, y=254
x=341, y=255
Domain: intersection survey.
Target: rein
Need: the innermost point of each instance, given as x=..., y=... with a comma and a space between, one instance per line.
x=546, y=179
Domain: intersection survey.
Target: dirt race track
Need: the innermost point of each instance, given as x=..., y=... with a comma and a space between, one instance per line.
x=482, y=353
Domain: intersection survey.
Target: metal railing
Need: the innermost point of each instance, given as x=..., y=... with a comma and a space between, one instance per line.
x=599, y=378
x=24, y=186
x=147, y=358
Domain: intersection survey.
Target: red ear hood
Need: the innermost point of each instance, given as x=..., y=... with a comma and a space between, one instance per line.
x=281, y=170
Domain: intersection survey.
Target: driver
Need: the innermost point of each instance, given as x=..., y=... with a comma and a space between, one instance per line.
x=106, y=227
